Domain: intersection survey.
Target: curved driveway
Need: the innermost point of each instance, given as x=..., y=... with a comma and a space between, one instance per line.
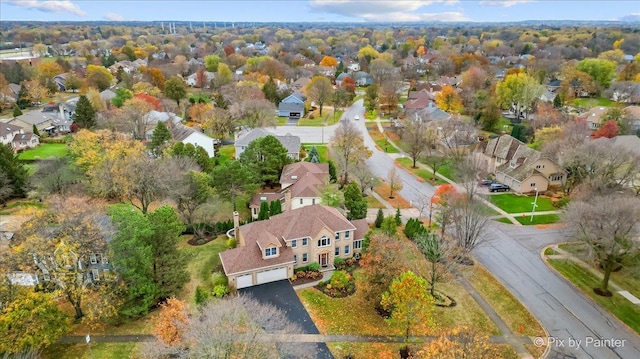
x=513, y=256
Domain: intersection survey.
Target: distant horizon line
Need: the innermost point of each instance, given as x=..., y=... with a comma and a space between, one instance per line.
x=329, y=21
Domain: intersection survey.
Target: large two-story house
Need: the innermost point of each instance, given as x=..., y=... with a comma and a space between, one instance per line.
x=290, y=142
x=518, y=166
x=269, y=250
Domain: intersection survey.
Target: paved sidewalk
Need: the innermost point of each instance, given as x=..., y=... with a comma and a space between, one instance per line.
x=326, y=275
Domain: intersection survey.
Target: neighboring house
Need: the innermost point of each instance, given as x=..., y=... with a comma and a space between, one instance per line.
x=629, y=143
x=107, y=95
x=42, y=120
x=192, y=79
x=430, y=113
x=269, y=250
x=8, y=132
x=185, y=134
x=292, y=106
x=153, y=117
x=301, y=185
x=25, y=141
x=300, y=85
x=594, y=117
x=352, y=66
x=341, y=78
x=553, y=85
x=518, y=166
x=629, y=94
x=362, y=78
x=61, y=80
x=240, y=70
x=632, y=113
x=548, y=96
x=290, y=142
x=64, y=112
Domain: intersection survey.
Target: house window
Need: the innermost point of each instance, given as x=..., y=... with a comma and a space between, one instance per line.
x=301, y=200
x=324, y=241
x=512, y=164
x=270, y=252
x=533, y=185
x=93, y=258
x=313, y=201
x=347, y=250
x=305, y=241
x=294, y=243
x=304, y=258
x=337, y=251
x=498, y=159
x=295, y=259
x=357, y=244
x=347, y=234
x=337, y=236
x=539, y=166
x=96, y=274
x=555, y=178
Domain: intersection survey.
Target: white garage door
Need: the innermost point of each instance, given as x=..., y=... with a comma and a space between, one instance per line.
x=244, y=281
x=272, y=275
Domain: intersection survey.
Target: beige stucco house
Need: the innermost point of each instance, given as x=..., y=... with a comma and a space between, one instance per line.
x=518, y=166
x=269, y=250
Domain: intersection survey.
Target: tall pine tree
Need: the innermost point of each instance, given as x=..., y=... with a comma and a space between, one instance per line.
x=270, y=91
x=354, y=202
x=161, y=135
x=275, y=207
x=264, y=211
x=85, y=116
x=15, y=170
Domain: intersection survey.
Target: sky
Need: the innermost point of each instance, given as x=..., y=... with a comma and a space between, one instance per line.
x=320, y=10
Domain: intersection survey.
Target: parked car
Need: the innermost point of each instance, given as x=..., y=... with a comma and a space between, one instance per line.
x=498, y=187
x=486, y=182
x=356, y=117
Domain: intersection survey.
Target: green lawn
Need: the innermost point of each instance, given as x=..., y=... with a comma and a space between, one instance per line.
x=318, y=121
x=617, y=304
x=45, y=150
x=225, y=153
x=503, y=220
x=541, y=219
x=449, y=171
x=98, y=351
x=282, y=120
x=381, y=140
x=511, y=203
x=593, y=102
x=323, y=152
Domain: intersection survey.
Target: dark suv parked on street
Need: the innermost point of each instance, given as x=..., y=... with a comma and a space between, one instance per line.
x=498, y=187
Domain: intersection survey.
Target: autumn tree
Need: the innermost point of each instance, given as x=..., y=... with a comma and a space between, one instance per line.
x=348, y=144
x=156, y=78
x=98, y=77
x=439, y=253
x=231, y=327
x=64, y=254
x=409, y=304
x=443, y=199
x=608, y=130
x=460, y=343
x=85, y=115
x=417, y=136
x=171, y=322
x=254, y=113
x=364, y=176
x=211, y=62
x=368, y=53
x=448, y=100
x=469, y=223
x=519, y=90
x=328, y=61
x=30, y=323
x=72, y=82
x=394, y=180
x=320, y=91
x=601, y=71
x=55, y=176
x=608, y=226
x=46, y=72
x=17, y=176
x=232, y=180
x=35, y=91
x=175, y=89
x=160, y=138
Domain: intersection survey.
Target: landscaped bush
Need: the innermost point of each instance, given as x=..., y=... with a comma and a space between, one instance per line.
x=218, y=278
x=414, y=228
x=338, y=262
x=348, y=264
x=220, y=290
x=340, y=279
x=340, y=285
x=562, y=202
x=201, y=295
x=315, y=266
x=231, y=243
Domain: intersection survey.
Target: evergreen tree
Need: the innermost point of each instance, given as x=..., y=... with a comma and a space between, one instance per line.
x=161, y=135
x=264, y=211
x=354, y=202
x=339, y=69
x=557, y=101
x=270, y=91
x=333, y=176
x=35, y=130
x=389, y=226
x=24, y=100
x=379, y=218
x=17, y=112
x=15, y=170
x=398, y=217
x=275, y=207
x=169, y=264
x=266, y=157
x=85, y=116
x=313, y=155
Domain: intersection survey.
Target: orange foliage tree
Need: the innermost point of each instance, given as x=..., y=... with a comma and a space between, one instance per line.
x=153, y=101
x=443, y=198
x=156, y=77
x=457, y=343
x=449, y=100
x=608, y=130
x=329, y=61
x=171, y=320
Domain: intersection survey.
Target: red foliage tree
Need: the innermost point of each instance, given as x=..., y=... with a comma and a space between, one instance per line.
x=228, y=50
x=153, y=101
x=608, y=130
x=349, y=84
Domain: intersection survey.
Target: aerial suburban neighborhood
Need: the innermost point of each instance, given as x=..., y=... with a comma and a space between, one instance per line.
x=319, y=179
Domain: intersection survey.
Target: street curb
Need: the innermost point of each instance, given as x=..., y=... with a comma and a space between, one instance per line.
x=582, y=292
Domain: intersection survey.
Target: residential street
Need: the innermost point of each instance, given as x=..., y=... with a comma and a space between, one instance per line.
x=513, y=256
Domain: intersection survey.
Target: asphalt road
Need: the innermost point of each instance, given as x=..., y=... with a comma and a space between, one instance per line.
x=512, y=254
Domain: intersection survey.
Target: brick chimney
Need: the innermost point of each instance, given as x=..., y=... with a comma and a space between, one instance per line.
x=287, y=201
x=236, y=229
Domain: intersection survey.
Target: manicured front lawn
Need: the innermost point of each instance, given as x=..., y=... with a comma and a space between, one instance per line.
x=98, y=351
x=326, y=119
x=504, y=220
x=593, y=102
x=323, y=152
x=449, y=171
x=541, y=219
x=45, y=150
x=617, y=304
x=511, y=203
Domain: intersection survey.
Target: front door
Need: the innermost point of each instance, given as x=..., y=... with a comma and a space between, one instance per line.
x=324, y=259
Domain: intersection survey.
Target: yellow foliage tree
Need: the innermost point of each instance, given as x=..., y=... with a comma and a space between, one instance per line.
x=200, y=112
x=170, y=322
x=459, y=343
x=449, y=100
x=329, y=61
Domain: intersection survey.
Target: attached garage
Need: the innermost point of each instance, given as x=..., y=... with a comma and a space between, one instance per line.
x=271, y=275
x=244, y=281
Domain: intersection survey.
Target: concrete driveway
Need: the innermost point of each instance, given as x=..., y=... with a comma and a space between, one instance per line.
x=281, y=295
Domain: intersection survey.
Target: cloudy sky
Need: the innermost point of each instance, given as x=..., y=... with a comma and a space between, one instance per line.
x=320, y=10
